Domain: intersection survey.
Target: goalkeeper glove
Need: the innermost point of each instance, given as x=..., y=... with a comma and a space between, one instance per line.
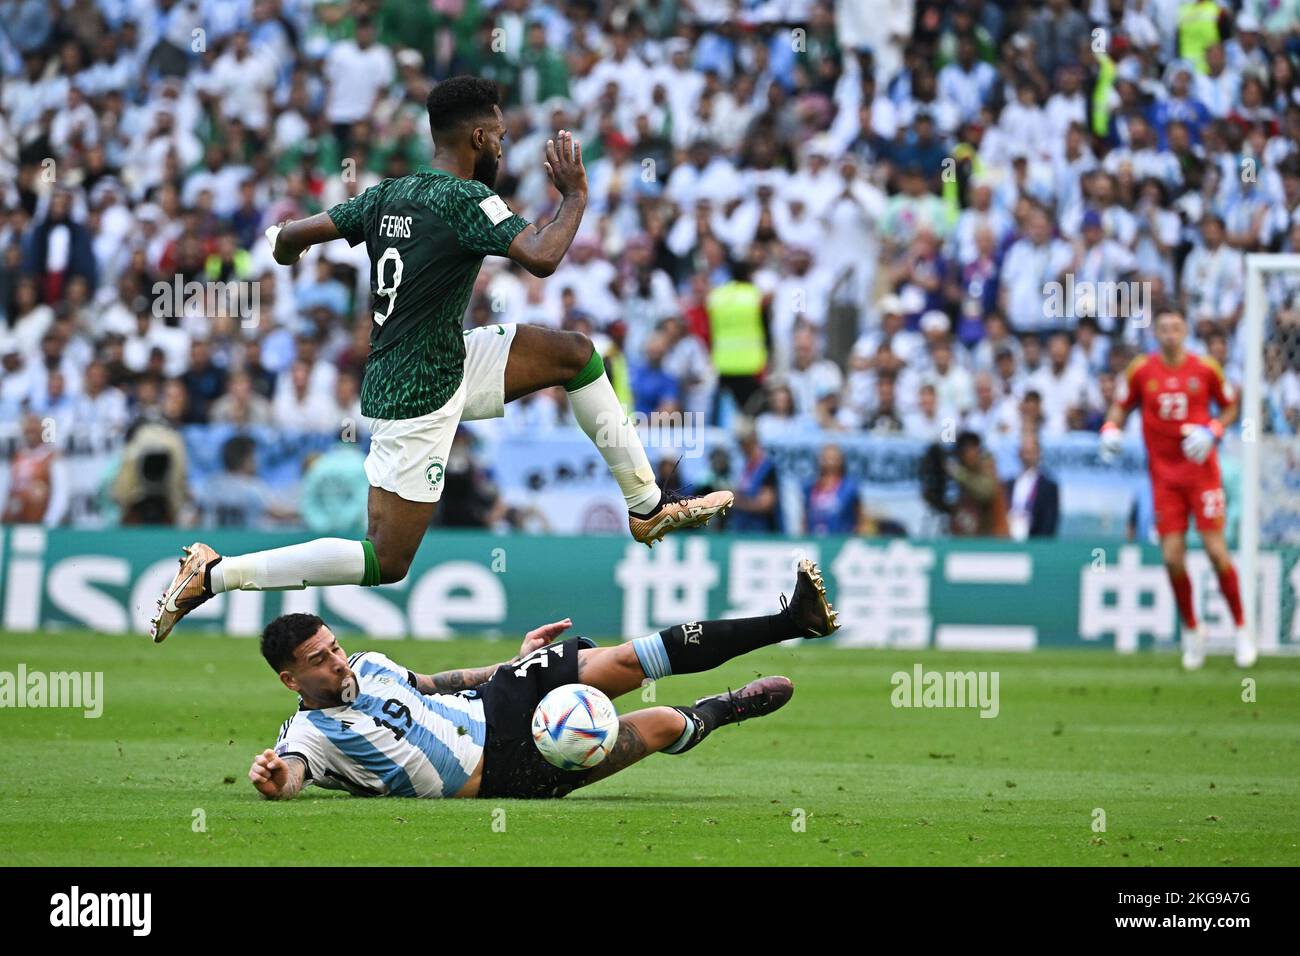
x=1199, y=440
x=1112, y=441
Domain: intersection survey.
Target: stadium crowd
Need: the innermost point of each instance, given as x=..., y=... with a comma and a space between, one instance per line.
x=832, y=217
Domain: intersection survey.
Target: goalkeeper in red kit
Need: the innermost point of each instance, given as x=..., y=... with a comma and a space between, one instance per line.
x=1175, y=389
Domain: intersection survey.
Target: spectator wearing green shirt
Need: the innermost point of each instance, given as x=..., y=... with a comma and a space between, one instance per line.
x=543, y=74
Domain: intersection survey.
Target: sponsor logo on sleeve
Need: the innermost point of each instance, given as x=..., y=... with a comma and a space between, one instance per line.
x=496, y=209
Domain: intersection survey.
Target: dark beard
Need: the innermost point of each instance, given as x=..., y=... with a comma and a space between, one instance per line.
x=485, y=170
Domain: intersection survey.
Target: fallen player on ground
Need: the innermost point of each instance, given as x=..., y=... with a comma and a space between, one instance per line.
x=369, y=726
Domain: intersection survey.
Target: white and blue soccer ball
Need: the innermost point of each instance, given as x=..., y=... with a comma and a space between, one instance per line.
x=575, y=727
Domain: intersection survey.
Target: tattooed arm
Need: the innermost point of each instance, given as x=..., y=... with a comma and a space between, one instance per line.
x=449, y=682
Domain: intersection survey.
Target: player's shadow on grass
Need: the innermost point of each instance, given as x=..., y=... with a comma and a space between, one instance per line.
x=656, y=798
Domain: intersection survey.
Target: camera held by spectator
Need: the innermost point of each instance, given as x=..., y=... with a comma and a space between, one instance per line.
x=962, y=483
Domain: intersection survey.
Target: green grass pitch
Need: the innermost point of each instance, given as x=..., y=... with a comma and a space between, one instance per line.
x=1186, y=772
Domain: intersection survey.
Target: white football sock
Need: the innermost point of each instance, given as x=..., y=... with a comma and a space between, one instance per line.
x=324, y=561
x=598, y=412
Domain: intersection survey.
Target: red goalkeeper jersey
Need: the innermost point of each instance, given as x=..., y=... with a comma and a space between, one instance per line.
x=1171, y=397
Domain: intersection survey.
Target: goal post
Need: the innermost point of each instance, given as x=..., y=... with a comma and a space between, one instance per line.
x=1254, y=435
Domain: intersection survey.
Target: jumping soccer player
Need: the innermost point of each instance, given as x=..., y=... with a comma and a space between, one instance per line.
x=427, y=234
x=1174, y=390
x=369, y=726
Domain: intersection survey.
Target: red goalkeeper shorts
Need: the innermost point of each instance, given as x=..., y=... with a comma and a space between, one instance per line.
x=1202, y=496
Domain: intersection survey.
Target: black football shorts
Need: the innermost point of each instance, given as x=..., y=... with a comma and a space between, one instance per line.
x=512, y=764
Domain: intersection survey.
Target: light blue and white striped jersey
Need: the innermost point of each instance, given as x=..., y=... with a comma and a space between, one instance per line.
x=392, y=740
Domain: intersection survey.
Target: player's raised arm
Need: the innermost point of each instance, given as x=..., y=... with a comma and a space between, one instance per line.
x=275, y=777
x=539, y=249
x=291, y=240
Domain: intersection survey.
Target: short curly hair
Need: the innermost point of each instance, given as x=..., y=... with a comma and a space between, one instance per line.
x=458, y=100
x=283, y=635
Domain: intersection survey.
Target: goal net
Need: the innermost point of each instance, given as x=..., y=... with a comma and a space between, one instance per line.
x=1269, y=532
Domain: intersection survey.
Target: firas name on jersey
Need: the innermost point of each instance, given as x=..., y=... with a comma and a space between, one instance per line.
x=395, y=227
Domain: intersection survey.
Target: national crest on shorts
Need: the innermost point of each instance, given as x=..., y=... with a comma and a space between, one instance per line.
x=433, y=474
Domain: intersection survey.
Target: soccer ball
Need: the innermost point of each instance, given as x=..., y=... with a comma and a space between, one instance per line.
x=575, y=727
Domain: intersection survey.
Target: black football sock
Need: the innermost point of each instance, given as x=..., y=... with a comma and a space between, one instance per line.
x=703, y=645
x=700, y=722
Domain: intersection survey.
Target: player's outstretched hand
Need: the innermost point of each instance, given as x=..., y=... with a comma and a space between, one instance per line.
x=541, y=636
x=272, y=236
x=269, y=773
x=564, y=164
x=1112, y=441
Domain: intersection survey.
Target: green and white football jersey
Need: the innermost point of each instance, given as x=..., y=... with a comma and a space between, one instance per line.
x=427, y=234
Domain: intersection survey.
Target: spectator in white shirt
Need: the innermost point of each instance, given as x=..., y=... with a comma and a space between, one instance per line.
x=1099, y=265
x=1142, y=157
x=802, y=295
x=150, y=334
x=952, y=383
x=1091, y=351
x=1062, y=385
x=1067, y=106
x=100, y=410
x=1213, y=280
x=242, y=80
x=357, y=72
x=1218, y=88
x=811, y=376
x=997, y=337
x=702, y=176
x=968, y=81
x=926, y=423
x=75, y=126
x=1031, y=263
x=852, y=244
x=300, y=407
x=981, y=214
x=993, y=415
x=908, y=345
x=1024, y=123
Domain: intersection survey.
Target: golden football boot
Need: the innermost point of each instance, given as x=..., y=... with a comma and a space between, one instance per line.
x=676, y=511
x=188, y=589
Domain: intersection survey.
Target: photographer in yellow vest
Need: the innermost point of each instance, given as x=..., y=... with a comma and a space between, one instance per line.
x=738, y=332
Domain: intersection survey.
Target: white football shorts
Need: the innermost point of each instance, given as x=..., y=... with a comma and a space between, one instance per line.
x=408, y=456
